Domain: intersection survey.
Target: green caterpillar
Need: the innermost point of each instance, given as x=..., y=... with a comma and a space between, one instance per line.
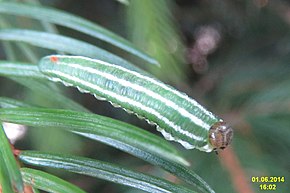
x=175, y=115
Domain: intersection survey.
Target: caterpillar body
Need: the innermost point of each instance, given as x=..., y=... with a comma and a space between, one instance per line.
x=175, y=115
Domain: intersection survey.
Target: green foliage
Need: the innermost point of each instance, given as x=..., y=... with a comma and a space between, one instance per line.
x=11, y=69
x=151, y=28
x=74, y=22
x=5, y=182
x=117, y=134
x=112, y=132
x=101, y=170
x=48, y=182
x=245, y=81
x=11, y=103
x=9, y=167
x=63, y=44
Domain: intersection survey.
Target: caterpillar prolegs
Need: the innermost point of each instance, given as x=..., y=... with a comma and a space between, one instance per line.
x=175, y=115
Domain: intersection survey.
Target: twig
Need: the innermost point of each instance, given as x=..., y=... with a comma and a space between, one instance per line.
x=230, y=161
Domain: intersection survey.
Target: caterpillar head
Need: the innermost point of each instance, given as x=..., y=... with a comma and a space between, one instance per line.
x=220, y=135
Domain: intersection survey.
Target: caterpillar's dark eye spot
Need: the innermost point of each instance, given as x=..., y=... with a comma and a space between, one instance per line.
x=220, y=135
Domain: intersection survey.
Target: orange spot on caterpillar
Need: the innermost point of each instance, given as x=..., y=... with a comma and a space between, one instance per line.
x=54, y=59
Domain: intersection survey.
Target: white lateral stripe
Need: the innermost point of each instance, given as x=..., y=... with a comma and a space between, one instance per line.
x=152, y=80
x=181, y=111
x=129, y=101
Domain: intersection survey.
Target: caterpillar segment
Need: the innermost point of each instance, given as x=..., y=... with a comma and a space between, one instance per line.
x=178, y=117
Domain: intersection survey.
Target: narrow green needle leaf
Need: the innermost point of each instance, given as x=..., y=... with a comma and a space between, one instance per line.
x=118, y=134
x=74, y=22
x=25, y=50
x=102, y=170
x=35, y=190
x=11, y=103
x=5, y=184
x=115, y=133
x=63, y=44
x=46, y=25
x=47, y=182
x=51, y=95
x=10, y=162
x=8, y=68
x=8, y=49
x=29, y=76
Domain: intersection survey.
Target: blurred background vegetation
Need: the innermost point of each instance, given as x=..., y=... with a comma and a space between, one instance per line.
x=232, y=56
